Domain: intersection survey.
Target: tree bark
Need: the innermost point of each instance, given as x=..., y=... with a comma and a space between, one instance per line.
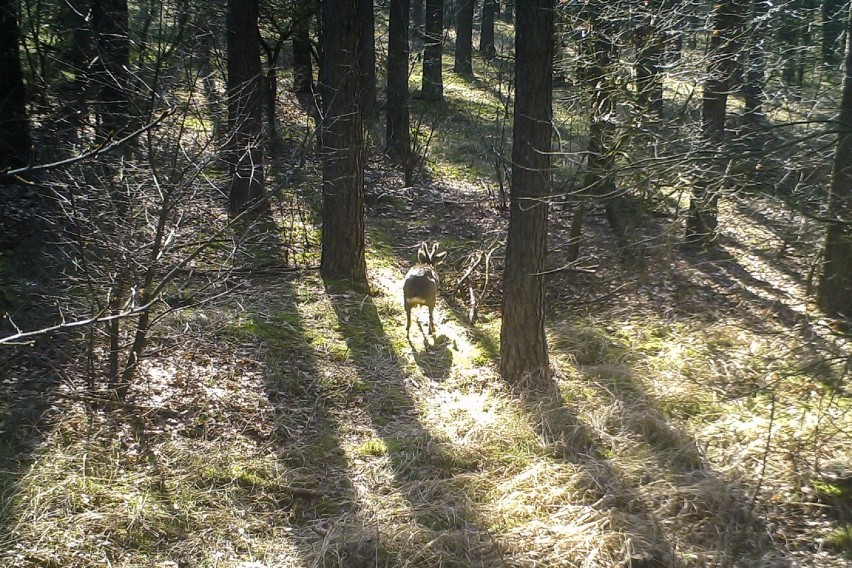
x=342, y=140
x=834, y=293
x=832, y=29
x=398, y=135
x=464, y=38
x=112, y=76
x=523, y=344
x=433, y=71
x=367, y=61
x=702, y=219
x=650, y=45
x=756, y=67
x=303, y=72
x=245, y=148
x=486, y=30
x=15, y=141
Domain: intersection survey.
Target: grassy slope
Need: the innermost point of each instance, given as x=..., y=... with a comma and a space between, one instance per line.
x=295, y=426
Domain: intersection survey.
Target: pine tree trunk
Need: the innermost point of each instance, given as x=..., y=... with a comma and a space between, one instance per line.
x=702, y=219
x=464, y=38
x=245, y=122
x=523, y=344
x=112, y=44
x=834, y=294
x=433, y=72
x=15, y=141
x=398, y=142
x=367, y=61
x=303, y=73
x=486, y=30
x=343, y=142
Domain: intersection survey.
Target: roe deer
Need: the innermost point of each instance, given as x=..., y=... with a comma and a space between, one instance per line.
x=421, y=284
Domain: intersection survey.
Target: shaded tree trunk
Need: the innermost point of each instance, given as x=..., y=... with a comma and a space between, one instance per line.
x=523, y=344
x=599, y=52
x=756, y=66
x=245, y=123
x=650, y=45
x=112, y=45
x=367, y=61
x=832, y=29
x=303, y=71
x=75, y=58
x=464, y=38
x=343, y=141
x=398, y=136
x=433, y=71
x=486, y=30
x=834, y=293
x=15, y=141
x=702, y=219
x=417, y=23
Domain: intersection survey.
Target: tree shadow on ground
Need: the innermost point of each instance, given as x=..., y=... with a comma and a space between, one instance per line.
x=422, y=466
x=717, y=515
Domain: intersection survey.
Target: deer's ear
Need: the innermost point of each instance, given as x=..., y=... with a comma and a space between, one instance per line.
x=439, y=257
x=423, y=254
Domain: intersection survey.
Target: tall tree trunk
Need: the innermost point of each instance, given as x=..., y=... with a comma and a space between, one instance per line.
x=433, y=71
x=367, y=61
x=523, y=344
x=702, y=219
x=245, y=123
x=398, y=139
x=832, y=29
x=650, y=45
x=756, y=67
x=486, y=30
x=417, y=23
x=599, y=52
x=303, y=72
x=464, y=38
x=15, y=142
x=342, y=140
x=834, y=293
x=112, y=43
x=75, y=58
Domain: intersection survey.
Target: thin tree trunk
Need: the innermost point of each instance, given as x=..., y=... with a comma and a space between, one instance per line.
x=523, y=344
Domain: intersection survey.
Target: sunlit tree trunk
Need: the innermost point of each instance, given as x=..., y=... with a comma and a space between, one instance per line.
x=398, y=136
x=245, y=123
x=15, y=141
x=702, y=219
x=834, y=294
x=523, y=344
x=342, y=143
x=433, y=71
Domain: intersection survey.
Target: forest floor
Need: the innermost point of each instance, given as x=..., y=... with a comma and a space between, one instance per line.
x=699, y=414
